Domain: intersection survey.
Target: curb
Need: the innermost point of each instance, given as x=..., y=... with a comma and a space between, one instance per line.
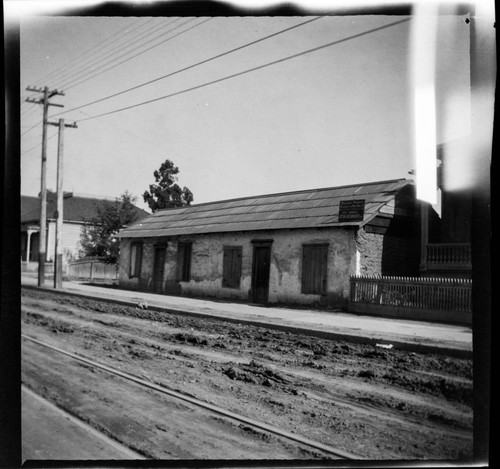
x=358, y=339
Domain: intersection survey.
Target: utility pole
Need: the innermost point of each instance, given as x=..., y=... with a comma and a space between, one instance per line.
x=58, y=258
x=42, y=245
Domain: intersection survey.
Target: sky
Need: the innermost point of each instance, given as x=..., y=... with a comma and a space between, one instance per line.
x=341, y=114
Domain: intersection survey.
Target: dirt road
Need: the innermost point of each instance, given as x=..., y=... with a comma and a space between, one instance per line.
x=362, y=399
x=50, y=433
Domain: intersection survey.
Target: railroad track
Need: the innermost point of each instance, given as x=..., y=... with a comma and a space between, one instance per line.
x=204, y=405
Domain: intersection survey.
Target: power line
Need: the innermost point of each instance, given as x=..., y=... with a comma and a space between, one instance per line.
x=146, y=50
x=31, y=128
x=70, y=79
x=194, y=65
x=28, y=100
x=26, y=110
x=244, y=72
x=83, y=56
x=102, y=53
x=37, y=145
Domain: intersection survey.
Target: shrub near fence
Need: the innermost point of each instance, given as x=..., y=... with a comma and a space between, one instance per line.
x=92, y=269
x=439, y=299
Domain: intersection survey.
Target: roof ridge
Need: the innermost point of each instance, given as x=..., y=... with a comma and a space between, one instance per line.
x=323, y=224
x=269, y=211
x=284, y=193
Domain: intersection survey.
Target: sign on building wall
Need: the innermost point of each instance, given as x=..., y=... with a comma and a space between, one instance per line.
x=351, y=210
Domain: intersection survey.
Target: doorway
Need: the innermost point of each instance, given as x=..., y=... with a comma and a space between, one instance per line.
x=159, y=268
x=260, y=271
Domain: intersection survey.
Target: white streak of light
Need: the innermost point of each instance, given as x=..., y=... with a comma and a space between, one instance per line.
x=424, y=33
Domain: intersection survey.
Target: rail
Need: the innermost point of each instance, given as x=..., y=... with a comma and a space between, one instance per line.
x=205, y=405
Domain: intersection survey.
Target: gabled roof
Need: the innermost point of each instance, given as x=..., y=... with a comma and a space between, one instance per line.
x=75, y=208
x=303, y=209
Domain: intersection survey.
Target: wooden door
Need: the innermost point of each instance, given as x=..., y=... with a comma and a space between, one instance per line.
x=260, y=273
x=159, y=269
x=314, y=269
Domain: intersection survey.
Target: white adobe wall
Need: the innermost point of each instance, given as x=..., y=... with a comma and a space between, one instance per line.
x=285, y=273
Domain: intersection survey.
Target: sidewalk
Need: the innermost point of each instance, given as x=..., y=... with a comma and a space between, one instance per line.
x=404, y=334
x=49, y=432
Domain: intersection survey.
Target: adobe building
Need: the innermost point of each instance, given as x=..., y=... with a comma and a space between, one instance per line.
x=293, y=248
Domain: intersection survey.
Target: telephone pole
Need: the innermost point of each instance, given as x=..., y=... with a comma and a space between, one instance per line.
x=58, y=258
x=42, y=245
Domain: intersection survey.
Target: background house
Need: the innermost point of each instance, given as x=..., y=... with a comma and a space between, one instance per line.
x=446, y=244
x=296, y=247
x=78, y=210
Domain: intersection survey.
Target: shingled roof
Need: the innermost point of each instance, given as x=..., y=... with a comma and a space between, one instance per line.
x=302, y=209
x=76, y=208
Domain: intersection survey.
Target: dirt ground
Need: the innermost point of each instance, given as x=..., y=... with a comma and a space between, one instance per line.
x=366, y=400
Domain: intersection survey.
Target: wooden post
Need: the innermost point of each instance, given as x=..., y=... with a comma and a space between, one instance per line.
x=60, y=208
x=42, y=245
x=28, y=245
x=60, y=204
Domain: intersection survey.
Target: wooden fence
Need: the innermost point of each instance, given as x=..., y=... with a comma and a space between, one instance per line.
x=439, y=299
x=92, y=269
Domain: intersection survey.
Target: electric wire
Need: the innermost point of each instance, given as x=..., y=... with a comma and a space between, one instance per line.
x=28, y=115
x=131, y=133
x=142, y=52
x=103, y=55
x=92, y=50
x=84, y=55
x=100, y=69
x=192, y=66
x=76, y=75
x=26, y=109
x=26, y=112
x=34, y=126
x=38, y=144
x=31, y=128
x=244, y=72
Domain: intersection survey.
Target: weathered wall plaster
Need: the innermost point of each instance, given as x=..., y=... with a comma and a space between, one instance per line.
x=285, y=271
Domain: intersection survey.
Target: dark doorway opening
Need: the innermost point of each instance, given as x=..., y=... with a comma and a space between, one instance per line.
x=159, y=268
x=260, y=271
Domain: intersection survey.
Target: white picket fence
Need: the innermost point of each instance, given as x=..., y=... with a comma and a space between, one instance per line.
x=441, y=299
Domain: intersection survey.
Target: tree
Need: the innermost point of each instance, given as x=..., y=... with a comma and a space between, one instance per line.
x=166, y=193
x=98, y=237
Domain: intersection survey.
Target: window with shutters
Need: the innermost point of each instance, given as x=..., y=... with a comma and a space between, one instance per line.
x=184, y=261
x=314, y=269
x=231, y=268
x=135, y=260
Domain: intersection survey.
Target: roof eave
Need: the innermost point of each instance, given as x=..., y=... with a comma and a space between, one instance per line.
x=138, y=234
